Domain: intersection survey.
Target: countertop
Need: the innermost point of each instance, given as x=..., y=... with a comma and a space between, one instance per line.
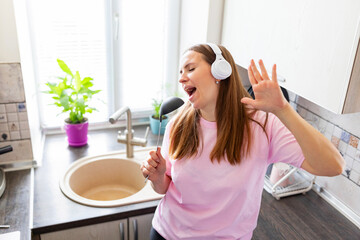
x=15, y=203
x=53, y=210
x=297, y=217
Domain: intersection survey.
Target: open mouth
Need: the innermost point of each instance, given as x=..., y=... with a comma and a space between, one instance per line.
x=190, y=91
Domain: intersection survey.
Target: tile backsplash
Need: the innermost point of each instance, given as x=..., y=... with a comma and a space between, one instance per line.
x=14, y=125
x=346, y=142
x=343, y=130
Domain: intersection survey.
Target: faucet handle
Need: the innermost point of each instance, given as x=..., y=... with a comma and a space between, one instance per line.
x=146, y=132
x=140, y=141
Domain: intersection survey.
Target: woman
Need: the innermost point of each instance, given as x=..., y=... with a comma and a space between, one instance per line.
x=216, y=150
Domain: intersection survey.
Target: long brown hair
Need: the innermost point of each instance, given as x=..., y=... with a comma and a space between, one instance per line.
x=233, y=118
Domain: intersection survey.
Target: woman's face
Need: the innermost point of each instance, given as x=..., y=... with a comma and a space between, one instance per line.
x=198, y=82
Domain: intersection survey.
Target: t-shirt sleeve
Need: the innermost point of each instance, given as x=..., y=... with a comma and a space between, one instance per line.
x=283, y=145
x=165, y=148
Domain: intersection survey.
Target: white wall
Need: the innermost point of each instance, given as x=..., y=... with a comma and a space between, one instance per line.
x=200, y=22
x=9, y=50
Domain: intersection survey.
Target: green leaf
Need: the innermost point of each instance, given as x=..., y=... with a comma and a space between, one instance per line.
x=77, y=81
x=80, y=103
x=88, y=85
x=86, y=80
x=64, y=67
x=64, y=101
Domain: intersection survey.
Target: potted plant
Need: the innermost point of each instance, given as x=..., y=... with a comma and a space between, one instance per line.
x=155, y=118
x=72, y=95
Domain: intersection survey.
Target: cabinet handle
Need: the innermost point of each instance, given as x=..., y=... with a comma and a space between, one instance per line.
x=122, y=233
x=135, y=229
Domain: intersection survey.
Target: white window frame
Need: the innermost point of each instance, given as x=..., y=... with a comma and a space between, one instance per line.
x=171, y=60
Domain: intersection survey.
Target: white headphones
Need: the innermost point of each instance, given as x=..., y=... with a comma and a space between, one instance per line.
x=220, y=68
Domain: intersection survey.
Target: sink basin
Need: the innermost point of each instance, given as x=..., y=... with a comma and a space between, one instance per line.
x=108, y=180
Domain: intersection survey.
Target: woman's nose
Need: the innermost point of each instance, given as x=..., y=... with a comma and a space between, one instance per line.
x=183, y=78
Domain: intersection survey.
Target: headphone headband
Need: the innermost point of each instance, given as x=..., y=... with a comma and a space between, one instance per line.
x=215, y=48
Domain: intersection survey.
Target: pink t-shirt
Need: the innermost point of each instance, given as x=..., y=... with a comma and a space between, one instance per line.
x=208, y=200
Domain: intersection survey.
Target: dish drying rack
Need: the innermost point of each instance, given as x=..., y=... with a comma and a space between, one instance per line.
x=302, y=183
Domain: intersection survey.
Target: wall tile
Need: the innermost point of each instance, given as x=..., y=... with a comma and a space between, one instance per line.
x=337, y=132
x=349, y=161
x=21, y=107
x=24, y=134
x=3, y=118
x=356, y=166
x=354, y=141
x=13, y=126
x=15, y=135
x=24, y=125
x=4, y=136
x=346, y=172
x=12, y=117
x=322, y=125
x=335, y=141
x=10, y=108
x=345, y=136
x=328, y=135
x=330, y=128
x=342, y=147
x=3, y=127
x=23, y=116
x=355, y=177
x=351, y=151
x=357, y=155
x=2, y=108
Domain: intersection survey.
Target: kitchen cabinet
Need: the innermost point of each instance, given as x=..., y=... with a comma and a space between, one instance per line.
x=133, y=228
x=313, y=43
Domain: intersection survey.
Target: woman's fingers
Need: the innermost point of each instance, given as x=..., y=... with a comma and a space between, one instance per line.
x=264, y=73
x=154, y=166
x=255, y=71
x=274, y=75
x=251, y=76
x=154, y=156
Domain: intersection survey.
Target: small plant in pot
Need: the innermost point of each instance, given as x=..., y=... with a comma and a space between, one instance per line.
x=155, y=118
x=72, y=94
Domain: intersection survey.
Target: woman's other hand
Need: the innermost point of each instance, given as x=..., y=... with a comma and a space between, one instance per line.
x=155, y=166
x=268, y=95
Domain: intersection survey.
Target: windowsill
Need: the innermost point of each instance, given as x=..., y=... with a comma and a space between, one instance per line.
x=136, y=121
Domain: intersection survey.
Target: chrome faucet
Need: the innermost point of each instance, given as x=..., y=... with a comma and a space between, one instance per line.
x=128, y=136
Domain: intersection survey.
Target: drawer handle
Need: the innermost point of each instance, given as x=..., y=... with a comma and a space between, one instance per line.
x=122, y=233
x=135, y=229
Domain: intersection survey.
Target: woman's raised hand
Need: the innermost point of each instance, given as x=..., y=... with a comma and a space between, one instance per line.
x=268, y=95
x=155, y=166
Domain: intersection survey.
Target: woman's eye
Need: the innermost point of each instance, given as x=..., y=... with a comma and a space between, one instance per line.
x=191, y=69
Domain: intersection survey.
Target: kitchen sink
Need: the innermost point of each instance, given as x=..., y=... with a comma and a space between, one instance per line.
x=108, y=180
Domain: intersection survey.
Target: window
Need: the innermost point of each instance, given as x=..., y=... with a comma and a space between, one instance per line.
x=120, y=43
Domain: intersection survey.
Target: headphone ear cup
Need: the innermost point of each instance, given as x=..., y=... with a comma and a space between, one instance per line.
x=221, y=69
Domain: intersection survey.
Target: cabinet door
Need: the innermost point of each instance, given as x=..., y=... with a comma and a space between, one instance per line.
x=140, y=226
x=108, y=230
x=312, y=42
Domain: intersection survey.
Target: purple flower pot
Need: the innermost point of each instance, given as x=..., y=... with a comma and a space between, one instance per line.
x=77, y=133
